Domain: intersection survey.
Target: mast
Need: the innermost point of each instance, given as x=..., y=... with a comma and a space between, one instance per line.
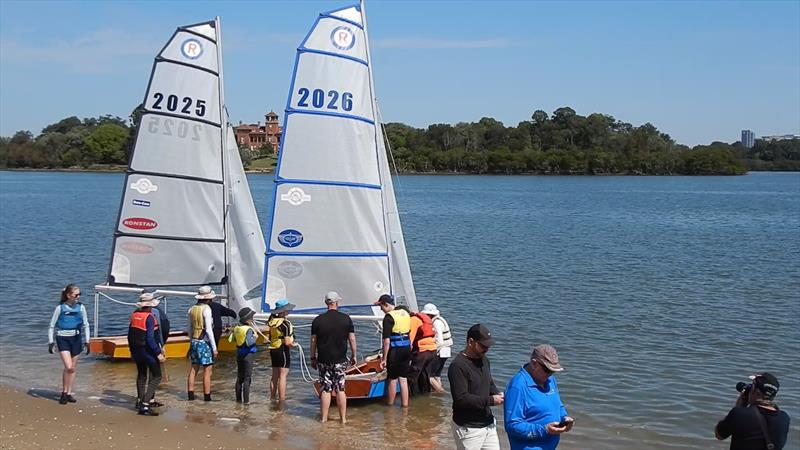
x=223, y=114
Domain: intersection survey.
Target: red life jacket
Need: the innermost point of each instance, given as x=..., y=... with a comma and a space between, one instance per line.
x=137, y=331
x=139, y=320
x=426, y=329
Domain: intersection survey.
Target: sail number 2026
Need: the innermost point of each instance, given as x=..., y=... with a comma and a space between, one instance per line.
x=320, y=99
x=186, y=105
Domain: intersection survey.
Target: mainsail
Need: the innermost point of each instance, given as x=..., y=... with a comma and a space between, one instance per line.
x=334, y=222
x=186, y=217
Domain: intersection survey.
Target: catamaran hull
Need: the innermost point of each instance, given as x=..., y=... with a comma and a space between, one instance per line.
x=363, y=381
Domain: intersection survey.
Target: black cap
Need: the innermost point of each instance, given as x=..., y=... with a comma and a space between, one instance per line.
x=386, y=299
x=768, y=384
x=246, y=314
x=480, y=333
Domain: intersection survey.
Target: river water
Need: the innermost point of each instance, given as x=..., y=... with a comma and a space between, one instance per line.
x=660, y=293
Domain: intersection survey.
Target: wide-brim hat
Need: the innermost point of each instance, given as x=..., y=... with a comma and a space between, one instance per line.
x=430, y=309
x=282, y=306
x=205, y=293
x=147, y=299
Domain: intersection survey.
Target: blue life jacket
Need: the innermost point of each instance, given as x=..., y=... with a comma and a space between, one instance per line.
x=70, y=317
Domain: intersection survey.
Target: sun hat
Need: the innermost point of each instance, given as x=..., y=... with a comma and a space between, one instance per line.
x=205, y=293
x=385, y=299
x=332, y=297
x=282, y=305
x=245, y=314
x=767, y=383
x=480, y=333
x=547, y=356
x=147, y=299
x=430, y=309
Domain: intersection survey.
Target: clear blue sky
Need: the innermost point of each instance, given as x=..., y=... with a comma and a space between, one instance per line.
x=699, y=71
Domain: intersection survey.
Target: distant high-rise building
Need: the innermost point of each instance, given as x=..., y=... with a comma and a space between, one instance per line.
x=748, y=138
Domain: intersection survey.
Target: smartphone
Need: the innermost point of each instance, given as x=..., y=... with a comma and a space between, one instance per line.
x=564, y=422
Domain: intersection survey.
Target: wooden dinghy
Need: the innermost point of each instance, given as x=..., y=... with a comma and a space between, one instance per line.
x=363, y=381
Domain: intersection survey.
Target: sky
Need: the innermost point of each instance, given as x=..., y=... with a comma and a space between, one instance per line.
x=700, y=71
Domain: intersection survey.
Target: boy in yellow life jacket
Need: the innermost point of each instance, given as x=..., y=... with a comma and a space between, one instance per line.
x=245, y=337
x=281, y=339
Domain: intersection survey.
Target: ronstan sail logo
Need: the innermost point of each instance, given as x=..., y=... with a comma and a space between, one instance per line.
x=140, y=223
x=343, y=38
x=192, y=48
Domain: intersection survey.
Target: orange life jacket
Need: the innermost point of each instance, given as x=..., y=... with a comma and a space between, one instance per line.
x=423, y=334
x=427, y=325
x=137, y=331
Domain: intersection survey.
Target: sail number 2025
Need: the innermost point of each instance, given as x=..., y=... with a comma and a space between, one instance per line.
x=186, y=105
x=320, y=99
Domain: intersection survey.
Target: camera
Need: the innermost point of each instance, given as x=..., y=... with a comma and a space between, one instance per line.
x=743, y=387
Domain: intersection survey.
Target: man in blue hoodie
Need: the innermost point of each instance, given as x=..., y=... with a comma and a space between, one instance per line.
x=534, y=415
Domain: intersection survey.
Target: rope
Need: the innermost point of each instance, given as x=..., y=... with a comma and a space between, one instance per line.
x=116, y=301
x=304, y=370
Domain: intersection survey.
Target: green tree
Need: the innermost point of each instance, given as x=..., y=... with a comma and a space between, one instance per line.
x=105, y=144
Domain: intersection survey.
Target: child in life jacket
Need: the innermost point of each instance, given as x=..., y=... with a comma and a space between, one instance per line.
x=281, y=339
x=245, y=337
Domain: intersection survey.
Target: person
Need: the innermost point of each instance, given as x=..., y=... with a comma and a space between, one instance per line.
x=146, y=350
x=423, y=353
x=218, y=311
x=534, y=414
x=330, y=333
x=444, y=342
x=69, y=333
x=281, y=340
x=755, y=420
x=396, y=349
x=203, y=345
x=244, y=335
x=163, y=324
x=474, y=393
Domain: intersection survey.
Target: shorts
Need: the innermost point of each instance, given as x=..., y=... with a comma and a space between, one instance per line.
x=437, y=366
x=398, y=362
x=200, y=353
x=331, y=376
x=71, y=344
x=280, y=357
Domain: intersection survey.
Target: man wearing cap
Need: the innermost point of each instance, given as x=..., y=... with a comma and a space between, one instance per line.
x=534, y=415
x=146, y=352
x=474, y=393
x=756, y=420
x=396, y=350
x=203, y=345
x=330, y=333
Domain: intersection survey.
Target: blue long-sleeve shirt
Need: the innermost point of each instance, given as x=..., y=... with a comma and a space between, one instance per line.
x=528, y=408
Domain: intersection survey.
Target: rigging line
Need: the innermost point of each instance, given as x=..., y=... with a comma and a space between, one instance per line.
x=388, y=146
x=307, y=377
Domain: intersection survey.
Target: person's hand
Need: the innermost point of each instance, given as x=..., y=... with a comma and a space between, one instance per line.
x=383, y=364
x=570, y=422
x=162, y=357
x=553, y=428
x=88, y=349
x=50, y=348
x=498, y=399
x=352, y=360
x=314, y=362
x=216, y=353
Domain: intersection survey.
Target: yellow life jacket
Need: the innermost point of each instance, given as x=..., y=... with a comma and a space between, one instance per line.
x=239, y=334
x=275, y=334
x=196, y=320
x=402, y=321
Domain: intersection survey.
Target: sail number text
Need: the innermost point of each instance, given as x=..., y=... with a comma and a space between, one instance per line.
x=186, y=105
x=319, y=99
x=174, y=127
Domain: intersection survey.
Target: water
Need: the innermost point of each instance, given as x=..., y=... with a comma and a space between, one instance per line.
x=660, y=293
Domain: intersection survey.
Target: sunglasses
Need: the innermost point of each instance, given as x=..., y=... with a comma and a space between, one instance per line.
x=77, y=294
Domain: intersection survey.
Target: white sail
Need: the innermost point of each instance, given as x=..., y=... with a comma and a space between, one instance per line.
x=176, y=227
x=334, y=223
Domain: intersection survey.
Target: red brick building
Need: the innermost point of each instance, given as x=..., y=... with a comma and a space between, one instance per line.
x=253, y=136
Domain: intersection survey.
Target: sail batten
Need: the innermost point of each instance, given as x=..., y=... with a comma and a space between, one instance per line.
x=330, y=226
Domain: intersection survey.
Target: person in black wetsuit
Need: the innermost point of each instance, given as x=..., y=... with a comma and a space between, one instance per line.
x=146, y=351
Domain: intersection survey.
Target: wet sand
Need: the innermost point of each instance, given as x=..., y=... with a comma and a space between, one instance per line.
x=36, y=420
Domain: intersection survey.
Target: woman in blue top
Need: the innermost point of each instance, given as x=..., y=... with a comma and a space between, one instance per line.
x=69, y=331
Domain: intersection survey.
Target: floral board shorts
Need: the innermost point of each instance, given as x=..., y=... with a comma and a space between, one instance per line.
x=200, y=353
x=331, y=376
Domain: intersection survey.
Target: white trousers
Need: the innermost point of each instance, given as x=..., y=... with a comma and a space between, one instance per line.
x=476, y=438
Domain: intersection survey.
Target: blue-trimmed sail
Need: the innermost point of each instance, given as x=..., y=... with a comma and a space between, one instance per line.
x=334, y=224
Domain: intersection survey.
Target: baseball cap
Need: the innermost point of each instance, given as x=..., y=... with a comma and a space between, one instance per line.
x=767, y=383
x=332, y=297
x=386, y=299
x=547, y=356
x=480, y=333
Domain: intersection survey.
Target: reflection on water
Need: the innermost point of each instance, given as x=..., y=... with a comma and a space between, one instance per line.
x=643, y=284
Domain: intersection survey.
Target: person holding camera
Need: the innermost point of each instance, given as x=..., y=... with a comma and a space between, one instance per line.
x=755, y=422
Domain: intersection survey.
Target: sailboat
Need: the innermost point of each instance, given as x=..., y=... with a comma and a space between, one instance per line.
x=186, y=217
x=334, y=224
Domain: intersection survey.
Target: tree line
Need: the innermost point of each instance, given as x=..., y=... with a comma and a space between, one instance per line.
x=561, y=143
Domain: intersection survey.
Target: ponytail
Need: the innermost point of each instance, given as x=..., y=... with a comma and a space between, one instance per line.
x=69, y=288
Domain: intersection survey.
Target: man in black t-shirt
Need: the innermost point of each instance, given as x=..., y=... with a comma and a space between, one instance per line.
x=330, y=333
x=744, y=421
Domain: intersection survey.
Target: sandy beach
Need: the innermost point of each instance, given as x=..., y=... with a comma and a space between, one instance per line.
x=33, y=420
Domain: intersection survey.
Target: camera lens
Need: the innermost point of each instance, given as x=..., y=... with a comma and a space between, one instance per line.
x=743, y=387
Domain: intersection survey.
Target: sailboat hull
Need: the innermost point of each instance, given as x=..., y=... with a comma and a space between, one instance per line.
x=177, y=346
x=363, y=381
